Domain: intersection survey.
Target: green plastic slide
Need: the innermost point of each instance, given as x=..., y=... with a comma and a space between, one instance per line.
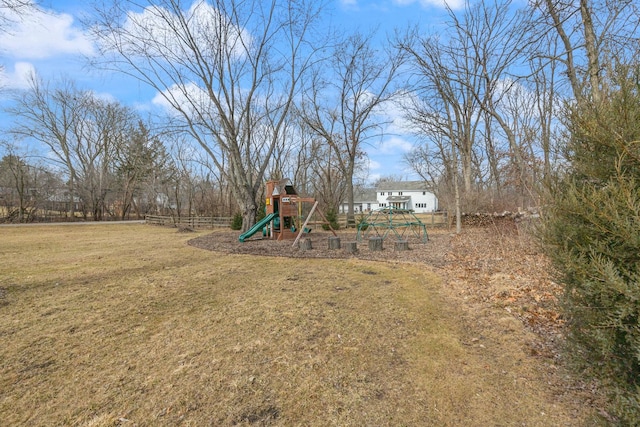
x=257, y=227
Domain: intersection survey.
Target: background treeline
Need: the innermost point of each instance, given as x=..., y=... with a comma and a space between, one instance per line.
x=483, y=97
x=103, y=161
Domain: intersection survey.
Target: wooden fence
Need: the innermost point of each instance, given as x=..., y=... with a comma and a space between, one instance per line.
x=435, y=219
x=189, y=221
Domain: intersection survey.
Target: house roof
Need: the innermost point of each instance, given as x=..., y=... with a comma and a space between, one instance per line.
x=398, y=198
x=403, y=186
x=367, y=195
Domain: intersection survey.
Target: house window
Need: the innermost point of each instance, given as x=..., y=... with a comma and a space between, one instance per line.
x=424, y=193
x=382, y=193
x=400, y=193
x=391, y=193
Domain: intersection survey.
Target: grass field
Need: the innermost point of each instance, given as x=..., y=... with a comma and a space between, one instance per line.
x=104, y=325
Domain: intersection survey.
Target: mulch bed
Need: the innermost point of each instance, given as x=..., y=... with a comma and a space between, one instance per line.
x=431, y=253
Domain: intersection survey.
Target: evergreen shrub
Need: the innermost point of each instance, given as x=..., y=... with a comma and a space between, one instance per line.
x=236, y=222
x=332, y=217
x=592, y=233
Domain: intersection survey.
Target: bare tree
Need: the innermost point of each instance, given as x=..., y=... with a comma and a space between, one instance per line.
x=26, y=185
x=228, y=69
x=303, y=161
x=468, y=80
x=343, y=104
x=13, y=10
x=51, y=116
x=444, y=113
x=501, y=42
x=327, y=179
x=446, y=110
x=17, y=182
x=591, y=34
x=544, y=81
x=83, y=135
x=105, y=130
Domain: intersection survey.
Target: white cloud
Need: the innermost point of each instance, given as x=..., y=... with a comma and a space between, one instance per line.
x=19, y=77
x=349, y=4
x=369, y=170
x=160, y=101
x=40, y=35
x=104, y=96
x=395, y=146
x=395, y=114
x=186, y=99
x=153, y=31
x=373, y=178
x=453, y=4
x=374, y=165
x=176, y=96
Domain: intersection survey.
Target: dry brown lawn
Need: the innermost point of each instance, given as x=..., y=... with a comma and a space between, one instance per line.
x=104, y=325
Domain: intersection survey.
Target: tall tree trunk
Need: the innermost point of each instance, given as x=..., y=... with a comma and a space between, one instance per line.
x=249, y=209
x=71, y=197
x=591, y=48
x=351, y=219
x=456, y=189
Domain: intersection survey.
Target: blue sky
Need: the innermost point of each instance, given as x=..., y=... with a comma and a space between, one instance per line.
x=51, y=43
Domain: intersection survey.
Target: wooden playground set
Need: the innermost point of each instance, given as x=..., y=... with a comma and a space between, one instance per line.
x=287, y=214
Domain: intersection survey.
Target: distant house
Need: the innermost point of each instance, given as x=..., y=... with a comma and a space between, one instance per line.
x=363, y=201
x=59, y=201
x=412, y=195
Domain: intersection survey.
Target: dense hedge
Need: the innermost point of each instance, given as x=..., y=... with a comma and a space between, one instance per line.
x=592, y=232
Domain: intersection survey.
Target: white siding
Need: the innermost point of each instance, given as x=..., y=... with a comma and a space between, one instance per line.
x=412, y=195
x=419, y=201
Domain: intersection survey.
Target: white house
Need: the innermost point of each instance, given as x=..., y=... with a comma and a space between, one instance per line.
x=412, y=195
